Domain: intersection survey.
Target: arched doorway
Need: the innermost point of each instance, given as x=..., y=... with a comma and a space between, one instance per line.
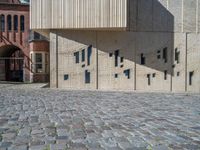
x=11, y=63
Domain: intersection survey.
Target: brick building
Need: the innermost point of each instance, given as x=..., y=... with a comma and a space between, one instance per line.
x=23, y=53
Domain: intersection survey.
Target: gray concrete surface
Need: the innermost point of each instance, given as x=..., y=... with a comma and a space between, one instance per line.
x=35, y=118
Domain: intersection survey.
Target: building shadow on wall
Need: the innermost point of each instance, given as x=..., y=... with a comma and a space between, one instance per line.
x=148, y=41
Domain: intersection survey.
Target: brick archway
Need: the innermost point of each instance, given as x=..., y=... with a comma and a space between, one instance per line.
x=11, y=63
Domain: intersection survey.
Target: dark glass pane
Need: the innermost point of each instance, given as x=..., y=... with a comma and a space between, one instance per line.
x=16, y=23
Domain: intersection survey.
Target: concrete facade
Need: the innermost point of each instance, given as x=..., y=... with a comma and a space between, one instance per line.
x=156, y=48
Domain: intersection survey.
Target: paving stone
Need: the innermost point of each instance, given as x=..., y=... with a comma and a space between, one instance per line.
x=22, y=147
x=82, y=120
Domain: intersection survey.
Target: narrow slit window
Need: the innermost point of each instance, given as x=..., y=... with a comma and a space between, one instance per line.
x=89, y=54
x=83, y=55
x=191, y=74
x=143, y=59
x=158, y=54
x=154, y=75
x=177, y=55
x=165, y=75
x=165, y=54
x=149, y=79
x=76, y=54
x=122, y=59
x=116, y=57
x=87, y=77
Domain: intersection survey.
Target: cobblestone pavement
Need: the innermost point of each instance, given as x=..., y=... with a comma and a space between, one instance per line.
x=32, y=118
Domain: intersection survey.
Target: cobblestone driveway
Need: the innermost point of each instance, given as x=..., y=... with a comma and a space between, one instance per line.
x=48, y=119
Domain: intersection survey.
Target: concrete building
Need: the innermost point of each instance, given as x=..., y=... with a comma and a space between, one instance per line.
x=145, y=45
x=18, y=44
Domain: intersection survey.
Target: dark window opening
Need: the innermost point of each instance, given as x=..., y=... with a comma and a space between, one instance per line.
x=38, y=58
x=66, y=77
x=154, y=75
x=83, y=65
x=9, y=23
x=190, y=77
x=122, y=59
x=83, y=55
x=165, y=75
x=127, y=73
x=178, y=74
x=15, y=23
x=76, y=54
x=177, y=56
x=158, y=56
x=87, y=77
x=116, y=75
x=110, y=54
x=89, y=54
x=149, y=79
x=116, y=57
x=122, y=66
x=2, y=23
x=22, y=26
x=165, y=54
x=142, y=59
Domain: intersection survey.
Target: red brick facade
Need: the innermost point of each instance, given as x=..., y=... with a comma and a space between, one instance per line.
x=14, y=35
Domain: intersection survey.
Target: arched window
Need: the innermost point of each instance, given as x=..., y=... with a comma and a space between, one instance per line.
x=22, y=23
x=9, y=22
x=15, y=23
x=2, y=23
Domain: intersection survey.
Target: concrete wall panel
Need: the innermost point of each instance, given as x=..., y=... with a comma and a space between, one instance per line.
x=189, y=15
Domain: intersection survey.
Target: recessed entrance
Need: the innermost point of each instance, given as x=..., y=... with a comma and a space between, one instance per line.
x=11, y=64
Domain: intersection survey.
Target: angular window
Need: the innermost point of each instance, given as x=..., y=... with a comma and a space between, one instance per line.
x=83, y=55
x=89, y=54
x=154, y=75
x=191, y=74
x=127, y=73
x=149, y=79
x=158, y=54
x=116, y=75
x=66, y=77
x=9, y=22
x=142, y=59
x=22, y=26
x=116, y=57
x=76, y=54
x=87, y=77
x=122, y=59
x=177, y=55
x=165, y=75
x=165, y=54
x=110, y=54
x=15, y=23
x=2, y=23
